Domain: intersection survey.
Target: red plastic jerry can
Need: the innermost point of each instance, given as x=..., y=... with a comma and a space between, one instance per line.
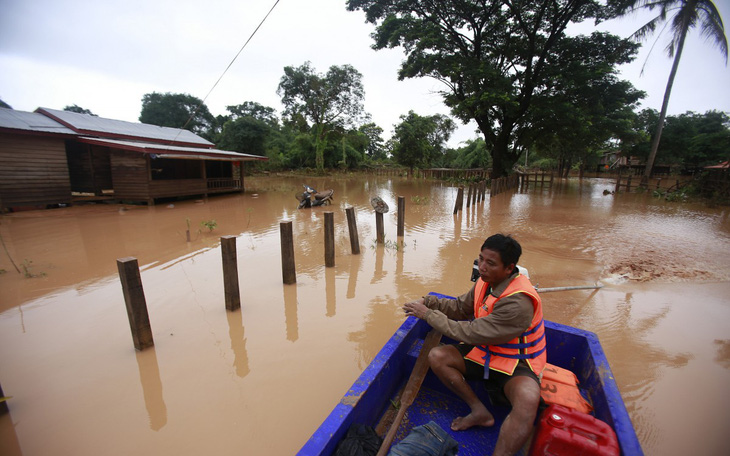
x=562, y=431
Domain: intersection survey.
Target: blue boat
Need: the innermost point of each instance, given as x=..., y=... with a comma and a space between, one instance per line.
x=376, y=390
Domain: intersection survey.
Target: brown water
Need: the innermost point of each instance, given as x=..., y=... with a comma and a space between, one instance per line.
x=260, y=380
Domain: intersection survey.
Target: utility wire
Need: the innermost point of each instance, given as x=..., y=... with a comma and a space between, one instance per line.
x=229, y=66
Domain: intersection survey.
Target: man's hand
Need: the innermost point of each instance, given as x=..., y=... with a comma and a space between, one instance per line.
x=416, y=308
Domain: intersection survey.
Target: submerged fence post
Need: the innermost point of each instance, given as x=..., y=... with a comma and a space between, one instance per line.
x=352, y=226
x=459, y=200
x=401, y=215
x=288, y=269
x=329, y=239
x=139, y=320
x=379, y=228
x=230, y=272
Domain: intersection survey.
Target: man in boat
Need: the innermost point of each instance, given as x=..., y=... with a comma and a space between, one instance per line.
x=499, y=324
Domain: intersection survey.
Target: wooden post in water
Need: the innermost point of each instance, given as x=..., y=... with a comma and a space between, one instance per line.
x=459, y=200
x=352, y=226
x=379, y=228
x=401, y=215
x=329, y=239
x=139, y=320
x=288, y=269
x=468, y=197
x=230, y=273
x=3, y=404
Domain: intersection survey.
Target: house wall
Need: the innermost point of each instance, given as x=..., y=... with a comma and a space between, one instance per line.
x=33, y=171
x=131, y=175
x=89, y=167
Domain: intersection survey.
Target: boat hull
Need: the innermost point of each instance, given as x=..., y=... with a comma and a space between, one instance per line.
x=372, y=394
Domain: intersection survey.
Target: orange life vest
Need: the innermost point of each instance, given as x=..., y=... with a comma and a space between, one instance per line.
x=529, y=345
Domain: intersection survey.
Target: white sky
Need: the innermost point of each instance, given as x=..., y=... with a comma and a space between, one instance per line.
x=105, y=55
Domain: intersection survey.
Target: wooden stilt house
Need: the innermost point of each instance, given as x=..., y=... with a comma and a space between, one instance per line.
x=111, y=159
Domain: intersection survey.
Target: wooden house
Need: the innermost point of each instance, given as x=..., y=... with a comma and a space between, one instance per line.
x=110, y=159
x=33, y=168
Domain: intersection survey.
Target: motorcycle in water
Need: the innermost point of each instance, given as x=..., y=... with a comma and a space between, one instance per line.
x=312, y=198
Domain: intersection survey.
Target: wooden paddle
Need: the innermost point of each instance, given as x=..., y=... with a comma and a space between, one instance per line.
x=411, y=390
x=581, y=287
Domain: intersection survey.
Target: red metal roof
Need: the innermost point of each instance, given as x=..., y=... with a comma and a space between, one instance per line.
x=169, y=151
x=85, y=124
x=30, y=122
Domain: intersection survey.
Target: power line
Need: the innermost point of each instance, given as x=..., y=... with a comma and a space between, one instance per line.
x=229, y=65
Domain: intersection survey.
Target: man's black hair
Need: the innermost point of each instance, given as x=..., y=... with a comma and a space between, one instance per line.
x=508, y=248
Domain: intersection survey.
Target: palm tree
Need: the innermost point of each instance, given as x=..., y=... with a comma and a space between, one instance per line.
x=687, y=14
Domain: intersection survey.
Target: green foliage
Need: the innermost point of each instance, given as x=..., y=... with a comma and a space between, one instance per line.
x=473, y=155
x=178, y=110
x=587, y=107
x=247, y=135
x=675, y=196
x=419, y=140
x=326, y=101
x=375, y=147
x=210, y=224
x=420, y=200
x=496, y=58
x=689, y=140
x=684, y=15
x=79, y=109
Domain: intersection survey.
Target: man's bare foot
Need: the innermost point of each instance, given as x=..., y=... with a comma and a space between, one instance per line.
x=473, y=419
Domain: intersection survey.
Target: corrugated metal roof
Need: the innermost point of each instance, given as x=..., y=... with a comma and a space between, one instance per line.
x=167, y=151
x=31, y=121
x=92, y=125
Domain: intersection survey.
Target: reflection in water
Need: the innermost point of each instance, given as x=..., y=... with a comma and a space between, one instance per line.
x=238, y=342
x=149, y=377
x=379, y=273
x=355, y=265
x=290, y=312
x=330, y=296
x=8, y=438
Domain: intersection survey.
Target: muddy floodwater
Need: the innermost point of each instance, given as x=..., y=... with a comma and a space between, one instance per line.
x=260, y=380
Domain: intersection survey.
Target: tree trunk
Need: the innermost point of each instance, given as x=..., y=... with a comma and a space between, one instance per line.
x=319, y=146
x=665, y=105
x=500, y=154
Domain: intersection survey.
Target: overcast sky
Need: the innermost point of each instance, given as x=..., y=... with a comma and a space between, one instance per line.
x=105, y=55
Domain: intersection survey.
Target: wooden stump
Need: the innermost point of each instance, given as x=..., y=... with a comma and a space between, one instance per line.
x=230, y=272
x=139, y=320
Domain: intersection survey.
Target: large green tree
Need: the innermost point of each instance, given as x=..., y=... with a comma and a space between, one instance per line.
x=375, y=148
x=420, y=140
x=178, y=110
x=685, y=16
x=691, y=140
x=494, y=56
x=473, y=154
x=248, y=128
x=587, y=105
x=324, y=101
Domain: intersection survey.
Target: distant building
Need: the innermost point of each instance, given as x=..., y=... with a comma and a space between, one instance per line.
x=51, y=157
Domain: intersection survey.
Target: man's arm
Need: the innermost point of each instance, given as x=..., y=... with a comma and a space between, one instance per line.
x=510, y=318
